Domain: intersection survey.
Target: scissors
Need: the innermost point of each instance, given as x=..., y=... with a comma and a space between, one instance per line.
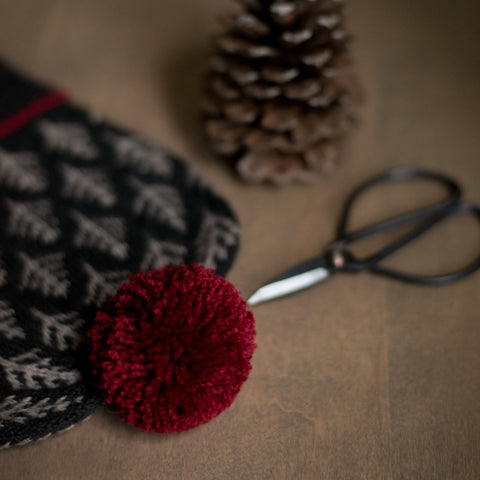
x=337, y=257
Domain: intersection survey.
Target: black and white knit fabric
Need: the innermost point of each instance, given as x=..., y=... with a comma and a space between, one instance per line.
x=83, y=204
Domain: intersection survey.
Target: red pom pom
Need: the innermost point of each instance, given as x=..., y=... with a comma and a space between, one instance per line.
x=172, y=348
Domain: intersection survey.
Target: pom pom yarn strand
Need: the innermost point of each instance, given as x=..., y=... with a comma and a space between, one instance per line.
x=172, y=348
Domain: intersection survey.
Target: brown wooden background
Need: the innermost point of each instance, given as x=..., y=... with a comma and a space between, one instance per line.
x=359, y=378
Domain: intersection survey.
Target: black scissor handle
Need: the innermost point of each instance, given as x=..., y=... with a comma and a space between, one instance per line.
x=435, y=279
x=431, y=216
x=395, y=175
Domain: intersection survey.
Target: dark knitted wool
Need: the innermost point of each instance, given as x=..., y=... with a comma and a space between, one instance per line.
x=83, y=205
x=172, y=349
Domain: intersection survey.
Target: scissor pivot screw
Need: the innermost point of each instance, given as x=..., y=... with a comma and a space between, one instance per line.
x=337, y=258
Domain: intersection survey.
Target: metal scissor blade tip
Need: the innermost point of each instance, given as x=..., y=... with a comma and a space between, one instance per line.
x=257, y=298
x=287, y=286
x=262, y=295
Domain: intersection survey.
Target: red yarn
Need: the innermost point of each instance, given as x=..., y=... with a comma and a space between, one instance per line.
x=172, y=348
x=38, y=107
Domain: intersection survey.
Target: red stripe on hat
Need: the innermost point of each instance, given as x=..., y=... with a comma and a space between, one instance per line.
x=22, y=117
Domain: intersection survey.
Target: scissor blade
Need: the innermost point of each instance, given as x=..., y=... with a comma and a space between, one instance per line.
x=294, y=280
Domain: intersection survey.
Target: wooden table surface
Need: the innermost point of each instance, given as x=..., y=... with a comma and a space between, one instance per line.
x=359, y=378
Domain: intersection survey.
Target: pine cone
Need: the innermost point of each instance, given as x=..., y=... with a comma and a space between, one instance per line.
x=281, y=91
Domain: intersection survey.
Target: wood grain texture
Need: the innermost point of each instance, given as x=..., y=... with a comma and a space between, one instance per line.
x=359, y=378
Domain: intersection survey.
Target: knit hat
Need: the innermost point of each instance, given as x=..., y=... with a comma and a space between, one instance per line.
x=83, y=205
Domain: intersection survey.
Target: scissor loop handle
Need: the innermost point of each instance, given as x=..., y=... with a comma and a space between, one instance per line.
x=435, y=279
x=395, y=175
x=430, y=215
